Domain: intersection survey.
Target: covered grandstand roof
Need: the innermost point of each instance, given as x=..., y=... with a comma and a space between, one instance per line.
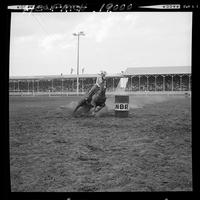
x=129, y=71
x=49, y=77
x=158, y=70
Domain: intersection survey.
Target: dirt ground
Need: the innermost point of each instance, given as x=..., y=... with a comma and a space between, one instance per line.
x=51, y=151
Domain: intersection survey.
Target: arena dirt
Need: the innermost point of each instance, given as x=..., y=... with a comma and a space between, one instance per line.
x=52, y=151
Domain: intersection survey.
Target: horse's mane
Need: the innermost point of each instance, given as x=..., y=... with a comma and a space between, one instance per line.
x=101, y=92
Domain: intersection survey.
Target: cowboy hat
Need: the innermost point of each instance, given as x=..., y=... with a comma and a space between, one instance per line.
x=102, y=73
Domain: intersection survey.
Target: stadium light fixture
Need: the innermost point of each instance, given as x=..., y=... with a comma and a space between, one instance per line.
x=78, y=35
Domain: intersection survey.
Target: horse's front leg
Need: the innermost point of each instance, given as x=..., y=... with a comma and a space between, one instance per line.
x=80, y=103
x=99, y=108
x=93, y=106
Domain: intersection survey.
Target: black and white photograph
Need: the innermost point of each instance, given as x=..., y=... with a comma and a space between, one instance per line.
x=100, y=101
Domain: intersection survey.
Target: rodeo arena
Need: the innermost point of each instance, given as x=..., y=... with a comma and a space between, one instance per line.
x=128, y=131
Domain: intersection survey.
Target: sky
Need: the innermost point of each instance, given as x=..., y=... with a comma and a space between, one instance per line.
x=43, y=43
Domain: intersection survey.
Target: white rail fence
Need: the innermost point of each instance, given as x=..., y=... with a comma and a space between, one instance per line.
x=107, y=93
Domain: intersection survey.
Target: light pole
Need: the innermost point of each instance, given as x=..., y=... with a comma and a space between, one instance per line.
x=78, y=35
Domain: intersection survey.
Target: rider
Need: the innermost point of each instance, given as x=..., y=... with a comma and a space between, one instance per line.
x=101, y=80
x=99, y=86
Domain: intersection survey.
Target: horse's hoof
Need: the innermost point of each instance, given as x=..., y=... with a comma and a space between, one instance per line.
x=93, y=114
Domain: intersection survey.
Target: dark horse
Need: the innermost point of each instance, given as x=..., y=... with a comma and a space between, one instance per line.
x=97, y=101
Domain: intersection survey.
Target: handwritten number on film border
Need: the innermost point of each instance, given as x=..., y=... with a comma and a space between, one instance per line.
x=111, y=7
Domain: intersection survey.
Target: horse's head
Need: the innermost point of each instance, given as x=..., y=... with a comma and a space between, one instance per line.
x=102, y=89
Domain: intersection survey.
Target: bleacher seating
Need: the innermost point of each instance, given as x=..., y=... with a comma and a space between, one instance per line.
x=180, y=83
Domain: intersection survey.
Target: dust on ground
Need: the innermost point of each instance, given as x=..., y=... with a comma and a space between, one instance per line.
x=52, y=151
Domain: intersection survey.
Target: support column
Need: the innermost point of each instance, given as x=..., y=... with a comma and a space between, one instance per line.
x=73, y=84
x=28, y=86
x=18, y=86
x=62, y=85
x=52, y=85
x=33, y=86
x=82, y=85
x=172, y=83
x=14, y=86
x=189, y=83
x=131, y=83
x=155, y=82
x=139, y=82
x=181, y=82
x=113, y=84
x=147, y=83
x=38, y=86
x=163, y=83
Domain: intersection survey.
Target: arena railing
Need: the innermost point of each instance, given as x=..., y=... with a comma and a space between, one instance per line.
x=109, y=93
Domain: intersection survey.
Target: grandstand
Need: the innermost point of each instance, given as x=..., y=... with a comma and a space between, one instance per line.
x=148, y=79
x=159, y=78
x=57, y=84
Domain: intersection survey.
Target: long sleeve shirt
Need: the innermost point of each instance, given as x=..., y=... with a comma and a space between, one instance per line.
x=99, y=81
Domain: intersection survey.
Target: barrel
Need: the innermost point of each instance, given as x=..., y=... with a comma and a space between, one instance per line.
x=121, y=105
